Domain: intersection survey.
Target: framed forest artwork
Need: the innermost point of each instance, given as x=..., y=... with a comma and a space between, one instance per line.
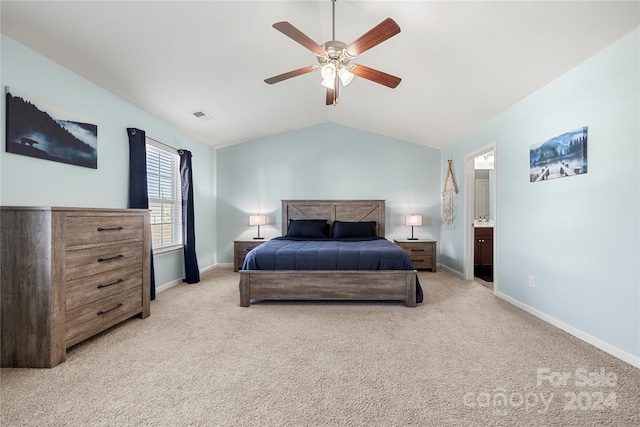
x=38, y=128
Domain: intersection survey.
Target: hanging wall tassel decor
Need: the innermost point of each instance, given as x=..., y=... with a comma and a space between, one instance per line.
x=450, y=188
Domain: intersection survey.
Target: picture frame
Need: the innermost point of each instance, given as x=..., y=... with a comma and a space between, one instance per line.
x=38, y=128
x=559, y=157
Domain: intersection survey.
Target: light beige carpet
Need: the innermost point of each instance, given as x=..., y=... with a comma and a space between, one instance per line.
x=463, y=357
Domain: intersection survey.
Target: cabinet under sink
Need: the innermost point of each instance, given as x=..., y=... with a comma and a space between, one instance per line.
x=483, y=250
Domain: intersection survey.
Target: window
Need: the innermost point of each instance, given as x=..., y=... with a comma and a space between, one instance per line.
x=165, y=198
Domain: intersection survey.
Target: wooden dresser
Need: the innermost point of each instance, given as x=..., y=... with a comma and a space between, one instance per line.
x=421, y=252
x=66, y=275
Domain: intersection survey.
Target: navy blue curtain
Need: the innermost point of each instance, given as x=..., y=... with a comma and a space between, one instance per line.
x=138, y=196
x=192, y=272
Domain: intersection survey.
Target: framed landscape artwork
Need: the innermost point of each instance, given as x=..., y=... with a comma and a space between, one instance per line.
x=37, y=128
x=559, y=157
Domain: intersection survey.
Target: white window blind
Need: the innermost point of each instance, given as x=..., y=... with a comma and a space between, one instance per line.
x=165, y=198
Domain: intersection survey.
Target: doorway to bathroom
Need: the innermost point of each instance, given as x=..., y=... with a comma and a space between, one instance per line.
x=480, y=216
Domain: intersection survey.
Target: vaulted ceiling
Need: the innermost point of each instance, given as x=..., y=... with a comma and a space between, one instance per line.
x=461, y=63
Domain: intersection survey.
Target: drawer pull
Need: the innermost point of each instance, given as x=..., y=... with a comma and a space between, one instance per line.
x=110, y=229
x=418, y=260
x=417, y=250
x=110, y=284
x=110, y=259
x=100, y=313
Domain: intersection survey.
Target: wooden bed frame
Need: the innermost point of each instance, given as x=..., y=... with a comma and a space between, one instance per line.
x=391, y=285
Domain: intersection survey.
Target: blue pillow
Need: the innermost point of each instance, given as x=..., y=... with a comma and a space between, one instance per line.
x=311, y=228
x=344, y=229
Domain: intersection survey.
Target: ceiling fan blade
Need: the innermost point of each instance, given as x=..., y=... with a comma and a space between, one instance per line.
x=376, y=76
x=296, y=35
x=290, y=74
x=381, y=32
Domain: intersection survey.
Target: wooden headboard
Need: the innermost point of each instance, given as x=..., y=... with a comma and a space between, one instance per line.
x=334, y=210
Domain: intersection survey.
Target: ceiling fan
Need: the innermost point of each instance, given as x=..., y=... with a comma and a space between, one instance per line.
x=335, y=56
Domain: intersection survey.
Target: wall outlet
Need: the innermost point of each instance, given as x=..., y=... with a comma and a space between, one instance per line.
x=532, y=281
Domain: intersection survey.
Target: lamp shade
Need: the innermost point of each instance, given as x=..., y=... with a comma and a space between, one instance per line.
x=413, y=220
x=257, y=219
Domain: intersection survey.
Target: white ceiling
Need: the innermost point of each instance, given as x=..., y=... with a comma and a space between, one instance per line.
x=461, y=63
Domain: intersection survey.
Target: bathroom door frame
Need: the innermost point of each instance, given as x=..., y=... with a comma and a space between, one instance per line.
x=469, y=209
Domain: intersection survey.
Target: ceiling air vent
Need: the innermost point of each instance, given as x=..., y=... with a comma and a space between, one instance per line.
x=202, y=115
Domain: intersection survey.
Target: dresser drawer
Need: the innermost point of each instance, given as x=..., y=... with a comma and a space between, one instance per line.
x=88, y=230
x=87, y=262
x=243, y=250
x=240, y=251
x=88, y=289
x=417, y=249
x=97, y=316
x=421, y=261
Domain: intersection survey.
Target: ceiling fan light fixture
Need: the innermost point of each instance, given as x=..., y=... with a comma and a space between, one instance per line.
x=328, y=73
x=328, y=83
x=345, y=75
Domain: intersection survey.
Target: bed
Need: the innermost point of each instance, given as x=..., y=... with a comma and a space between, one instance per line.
x=283, y=280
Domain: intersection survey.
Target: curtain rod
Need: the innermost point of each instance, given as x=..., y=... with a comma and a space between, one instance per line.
x=162, y=143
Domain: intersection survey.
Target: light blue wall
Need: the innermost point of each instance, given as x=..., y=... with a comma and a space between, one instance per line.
x=327, y=161
x=27, y=181
x=579, y=236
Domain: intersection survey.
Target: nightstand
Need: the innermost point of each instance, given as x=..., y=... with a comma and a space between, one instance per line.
x=240, y=250
x=422, y=252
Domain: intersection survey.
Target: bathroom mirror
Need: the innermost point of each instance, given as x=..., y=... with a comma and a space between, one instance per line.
x=483, y=177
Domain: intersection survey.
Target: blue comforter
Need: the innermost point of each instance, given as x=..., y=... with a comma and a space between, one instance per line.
x=286, y=253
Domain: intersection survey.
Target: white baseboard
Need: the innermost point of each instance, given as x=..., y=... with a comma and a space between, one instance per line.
x=224, y=264
x=173, y=283
x=452, y=271
x=168, y=285
x=589, y=339
x=211, y=267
